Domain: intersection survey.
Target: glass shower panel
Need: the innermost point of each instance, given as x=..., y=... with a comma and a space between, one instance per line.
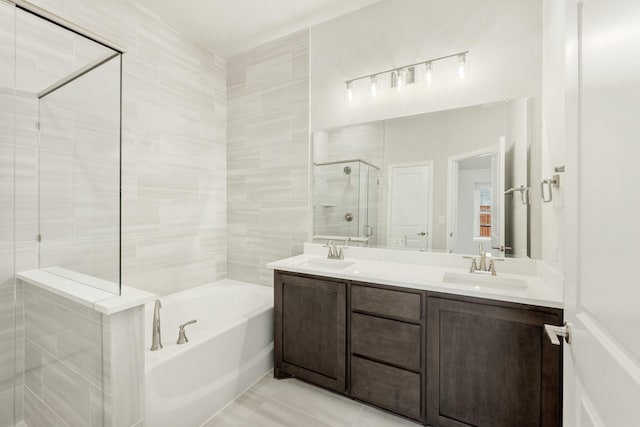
x=371, y=229
x=69, y=88
x=80, y=175
x=336, y=200
x=363, y=203
x=9, y=407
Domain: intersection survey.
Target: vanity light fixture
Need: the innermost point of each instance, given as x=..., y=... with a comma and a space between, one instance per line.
x=406, y=74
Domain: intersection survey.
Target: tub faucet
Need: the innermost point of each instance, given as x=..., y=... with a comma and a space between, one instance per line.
x=156, y=338
x=182, y=336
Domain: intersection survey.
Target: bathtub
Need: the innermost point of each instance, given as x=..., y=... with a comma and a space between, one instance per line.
x=229, y=348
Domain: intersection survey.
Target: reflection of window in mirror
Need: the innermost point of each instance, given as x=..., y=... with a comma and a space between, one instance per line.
x=482, y=204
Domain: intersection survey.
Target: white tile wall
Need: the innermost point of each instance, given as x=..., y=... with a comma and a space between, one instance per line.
x=174, y=147
x=63, y=361
x=268, y=150
x=74, y=360
x=174, y=206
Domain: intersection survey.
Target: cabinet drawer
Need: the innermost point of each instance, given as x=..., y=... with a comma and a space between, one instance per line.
x=386, y=340
x=401, y=305
x=385, y=386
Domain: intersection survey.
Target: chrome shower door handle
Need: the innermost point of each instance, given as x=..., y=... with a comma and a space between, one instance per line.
x=558, y=331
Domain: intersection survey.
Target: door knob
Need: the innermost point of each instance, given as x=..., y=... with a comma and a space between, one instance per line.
x=558, y=331
x=422, y=233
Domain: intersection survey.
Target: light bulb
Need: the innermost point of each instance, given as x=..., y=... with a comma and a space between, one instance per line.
x=374, y=86
x=428, y=75
x=462, y=61
x=349, y=92
x=399, y=80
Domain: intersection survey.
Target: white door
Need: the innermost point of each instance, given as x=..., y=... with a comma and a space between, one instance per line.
x=602, y=291
x=409, y=202
x=498, y=198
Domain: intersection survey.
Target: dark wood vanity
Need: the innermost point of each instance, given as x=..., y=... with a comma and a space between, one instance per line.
x=439, y=359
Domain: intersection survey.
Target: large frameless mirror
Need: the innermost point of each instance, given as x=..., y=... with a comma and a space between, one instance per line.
x=446, y=181
x=426, y=142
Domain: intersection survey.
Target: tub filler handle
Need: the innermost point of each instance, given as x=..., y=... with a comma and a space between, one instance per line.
x=182, y=336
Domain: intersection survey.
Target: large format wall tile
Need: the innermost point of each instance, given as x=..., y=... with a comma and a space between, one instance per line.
x=174, y=156
x=63, y=365
x=267, y=156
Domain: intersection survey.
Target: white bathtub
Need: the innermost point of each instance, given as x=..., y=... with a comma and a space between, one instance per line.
x=229, y=348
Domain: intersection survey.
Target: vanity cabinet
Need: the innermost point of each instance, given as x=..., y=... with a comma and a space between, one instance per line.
x=311, y=329
x=490, y=363
x=440, y=359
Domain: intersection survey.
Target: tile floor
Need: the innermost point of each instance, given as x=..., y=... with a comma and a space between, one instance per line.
x=292, y=403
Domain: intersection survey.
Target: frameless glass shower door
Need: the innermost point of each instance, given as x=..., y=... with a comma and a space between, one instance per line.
x=68, y=90
x=345, y=195
x=9, y=295
x=60, y=133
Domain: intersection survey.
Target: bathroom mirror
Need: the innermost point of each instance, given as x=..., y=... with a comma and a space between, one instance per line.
x=68, y=150
x=426, y=127
x=446, y=181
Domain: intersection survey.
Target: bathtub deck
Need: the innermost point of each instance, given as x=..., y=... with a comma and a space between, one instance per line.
x=293, y=403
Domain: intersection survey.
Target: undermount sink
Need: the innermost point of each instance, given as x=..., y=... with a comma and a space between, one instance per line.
x=331, y=264
x=484, y=281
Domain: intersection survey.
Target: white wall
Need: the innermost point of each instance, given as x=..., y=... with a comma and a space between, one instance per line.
x=503, y=37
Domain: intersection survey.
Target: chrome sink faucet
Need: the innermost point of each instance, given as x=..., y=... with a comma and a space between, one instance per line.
x=482, y=268
x=483, y=258
x=156, y=338
x=334, y=251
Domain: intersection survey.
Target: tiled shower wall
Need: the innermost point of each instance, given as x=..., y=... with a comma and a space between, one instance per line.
x=174, y=182
x=174, y=147
x=268, y=150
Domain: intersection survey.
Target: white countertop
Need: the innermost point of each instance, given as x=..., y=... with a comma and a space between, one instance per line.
x=425, y=271
x=81, y=289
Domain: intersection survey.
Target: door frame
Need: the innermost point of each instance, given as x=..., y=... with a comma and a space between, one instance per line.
x=452, y=188
x=430, y=164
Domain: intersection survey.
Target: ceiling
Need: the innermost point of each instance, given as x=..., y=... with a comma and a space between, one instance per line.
x=228, y=27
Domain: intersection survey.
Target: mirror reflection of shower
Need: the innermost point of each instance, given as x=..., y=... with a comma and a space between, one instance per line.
x=346, y=194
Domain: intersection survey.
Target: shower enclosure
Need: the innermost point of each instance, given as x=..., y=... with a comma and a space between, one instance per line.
x=345, y=195
x=60, y=149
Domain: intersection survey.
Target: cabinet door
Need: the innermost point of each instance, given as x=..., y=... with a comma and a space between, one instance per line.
x=490, y=365
x=310, y=329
